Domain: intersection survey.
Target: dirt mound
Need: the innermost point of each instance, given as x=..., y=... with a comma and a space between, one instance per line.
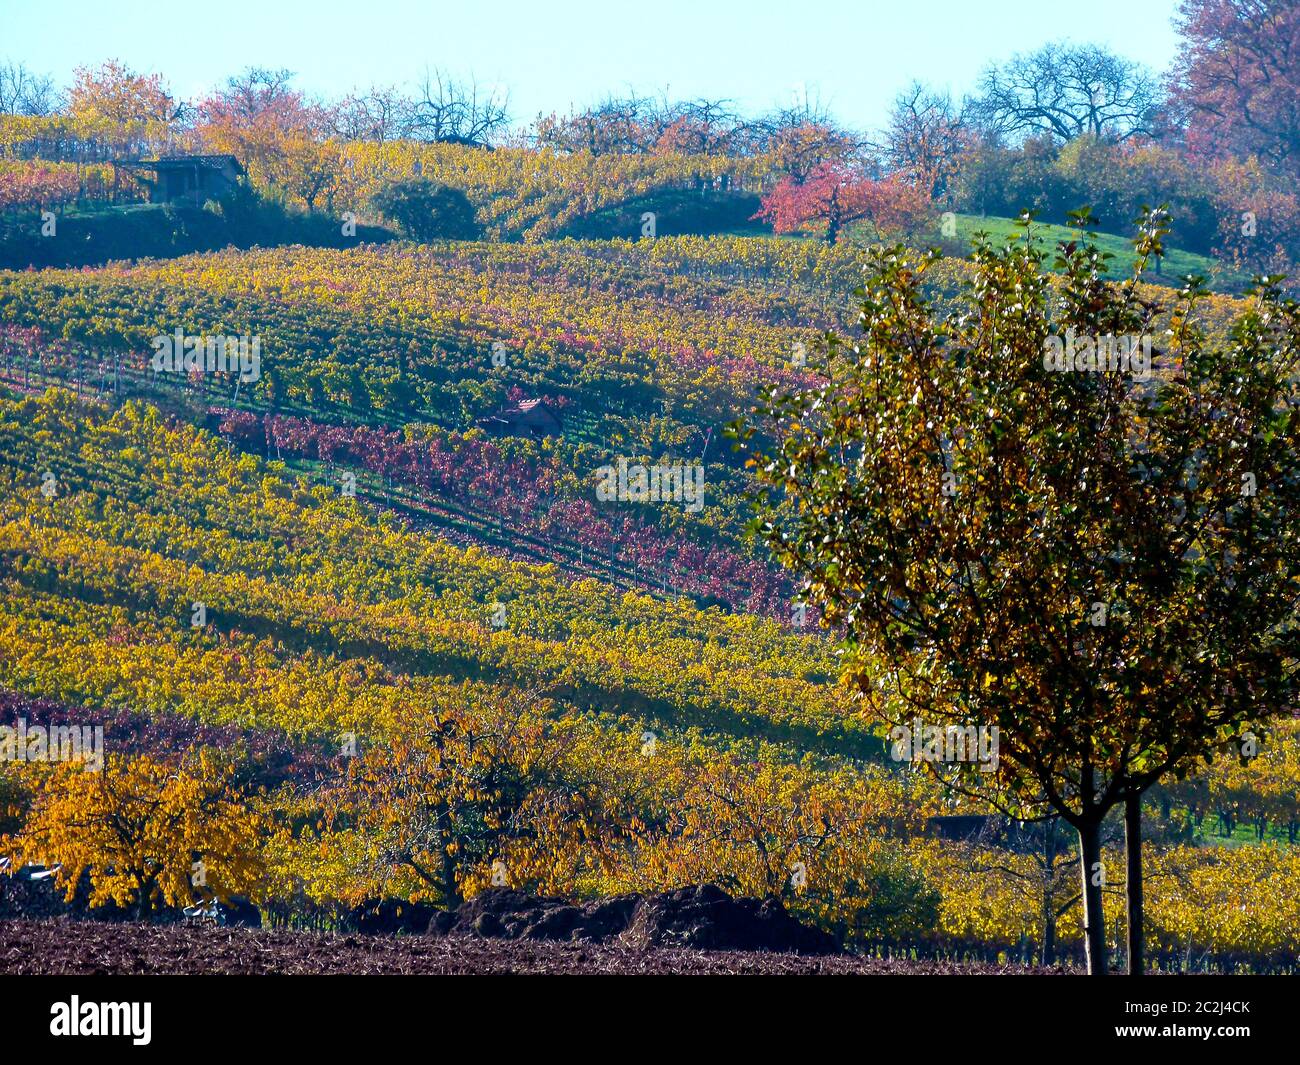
x=699, y=918
x=503, y=913
x=21, y=896
x=707, y=918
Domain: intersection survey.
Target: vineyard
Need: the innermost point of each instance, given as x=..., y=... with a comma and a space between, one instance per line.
x=379, y=363
x=685, y=744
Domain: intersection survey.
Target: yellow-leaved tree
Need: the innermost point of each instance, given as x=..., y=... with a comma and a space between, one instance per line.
x=145, y=831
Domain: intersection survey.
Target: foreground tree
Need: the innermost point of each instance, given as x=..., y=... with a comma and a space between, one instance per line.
x=146, y=832
x=1101, y=564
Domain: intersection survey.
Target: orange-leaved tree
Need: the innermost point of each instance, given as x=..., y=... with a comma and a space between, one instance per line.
x=145, y=831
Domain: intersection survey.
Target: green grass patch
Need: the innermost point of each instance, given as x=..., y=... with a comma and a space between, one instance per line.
x=1171, y=269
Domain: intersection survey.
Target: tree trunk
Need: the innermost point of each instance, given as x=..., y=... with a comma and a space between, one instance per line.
x=450, y=890
x=1048, y=954
x=1090, y=868
x=1133, y=879
x=833, y=218
x=144, y=905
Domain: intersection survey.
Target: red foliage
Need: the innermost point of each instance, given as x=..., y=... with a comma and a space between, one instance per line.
x=1259, y=217
x=1238, y=78
x=477, y=474
x=835, y=194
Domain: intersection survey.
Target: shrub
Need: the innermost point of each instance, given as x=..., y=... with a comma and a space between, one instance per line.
x=425, y=210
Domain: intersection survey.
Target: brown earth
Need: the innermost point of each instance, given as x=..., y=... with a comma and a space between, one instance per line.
x=72, y=947
x=699, y=917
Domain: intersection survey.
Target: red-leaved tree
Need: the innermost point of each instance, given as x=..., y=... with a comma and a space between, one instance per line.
x=1237, y=80
x=835, y=194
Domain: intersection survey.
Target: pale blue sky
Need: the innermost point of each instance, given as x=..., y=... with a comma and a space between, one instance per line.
x=553, y=53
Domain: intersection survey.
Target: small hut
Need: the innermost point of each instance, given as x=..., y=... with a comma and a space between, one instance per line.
x=186, y=178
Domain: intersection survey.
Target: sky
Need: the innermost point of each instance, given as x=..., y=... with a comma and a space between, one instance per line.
x=554, y=54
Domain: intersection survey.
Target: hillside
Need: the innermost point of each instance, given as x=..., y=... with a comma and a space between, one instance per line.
x=369, y=560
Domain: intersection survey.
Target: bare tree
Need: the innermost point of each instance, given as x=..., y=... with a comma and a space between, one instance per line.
x=379, y=115
x=1067, y=91
x=24, y=93
x=627, y=125
x=255, y=92
x=457, y=112
x=806, y=108
x=641, y=125
x=696, y=127
x=926, y=136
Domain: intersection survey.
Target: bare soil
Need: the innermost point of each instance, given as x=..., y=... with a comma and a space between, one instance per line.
x=66, y=946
